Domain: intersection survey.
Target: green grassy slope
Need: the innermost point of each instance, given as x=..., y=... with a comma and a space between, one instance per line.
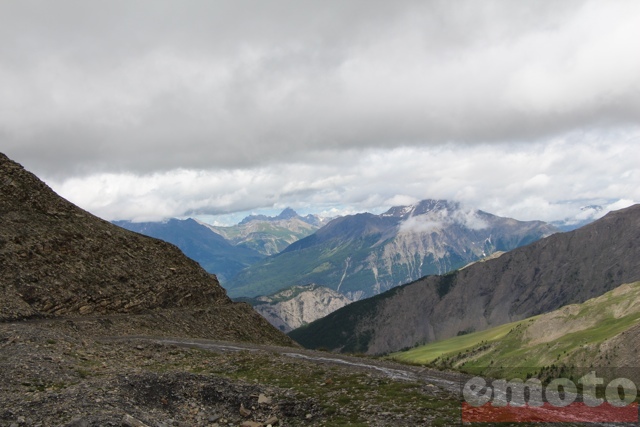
x=575, y=335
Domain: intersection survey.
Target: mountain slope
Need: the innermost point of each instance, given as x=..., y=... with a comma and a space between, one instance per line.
x=58, y=260
x=270, y=235
x=362, y=255
x=200, y=243
x=564, y=268
x=593, y=333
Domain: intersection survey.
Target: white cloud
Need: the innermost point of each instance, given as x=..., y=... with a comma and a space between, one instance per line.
x=435, y=220
x=468, y=218
x=547, y=181
x=419, y=225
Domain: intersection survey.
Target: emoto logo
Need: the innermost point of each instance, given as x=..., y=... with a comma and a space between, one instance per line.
x=589, y=399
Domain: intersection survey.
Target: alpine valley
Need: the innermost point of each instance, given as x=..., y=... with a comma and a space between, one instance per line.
x=196, y=240
x=102, y=326
x=225, y=251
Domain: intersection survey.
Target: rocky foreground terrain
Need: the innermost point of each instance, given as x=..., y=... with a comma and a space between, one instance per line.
x=68, y=373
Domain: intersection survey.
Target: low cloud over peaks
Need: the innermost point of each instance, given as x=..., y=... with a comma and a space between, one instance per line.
x=438, y=219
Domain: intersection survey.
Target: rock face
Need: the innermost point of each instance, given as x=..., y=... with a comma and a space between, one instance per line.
x=365, y=254
x=561, y=269
x=58, y=260
x=299, y=305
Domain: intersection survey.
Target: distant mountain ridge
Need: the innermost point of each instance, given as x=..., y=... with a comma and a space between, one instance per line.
x=225, y=251
x=270, y=235
x=564, y=268
x=587, y=215
x=365, y=254
x=286, y=214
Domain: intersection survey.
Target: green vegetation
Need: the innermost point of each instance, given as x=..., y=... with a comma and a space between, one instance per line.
x=343, y=395
x=335, y=332
x=572, y=336
x=440, y=349
x=320, y=264
x=347, y=398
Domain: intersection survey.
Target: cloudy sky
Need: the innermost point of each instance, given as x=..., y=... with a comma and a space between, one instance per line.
x=152, y=109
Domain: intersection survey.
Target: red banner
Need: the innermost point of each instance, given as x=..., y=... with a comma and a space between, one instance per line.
x=576, y=412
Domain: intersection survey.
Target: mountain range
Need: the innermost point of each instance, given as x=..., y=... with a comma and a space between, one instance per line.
x=270, y=235
x=564, y=268
x=225, y=251
x=103, y=326
x=365, y=254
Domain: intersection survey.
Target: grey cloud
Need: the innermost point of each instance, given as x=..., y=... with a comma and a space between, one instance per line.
x=154, y=85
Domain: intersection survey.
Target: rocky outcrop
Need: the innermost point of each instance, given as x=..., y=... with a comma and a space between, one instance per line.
x=561, y=269
x=299, y=305
x=59, y=260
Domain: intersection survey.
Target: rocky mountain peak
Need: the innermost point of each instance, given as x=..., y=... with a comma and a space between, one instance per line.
x=423, y=207
x=365, y=254
x=287, y=213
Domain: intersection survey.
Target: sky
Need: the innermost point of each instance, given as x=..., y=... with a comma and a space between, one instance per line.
x=151, y=109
